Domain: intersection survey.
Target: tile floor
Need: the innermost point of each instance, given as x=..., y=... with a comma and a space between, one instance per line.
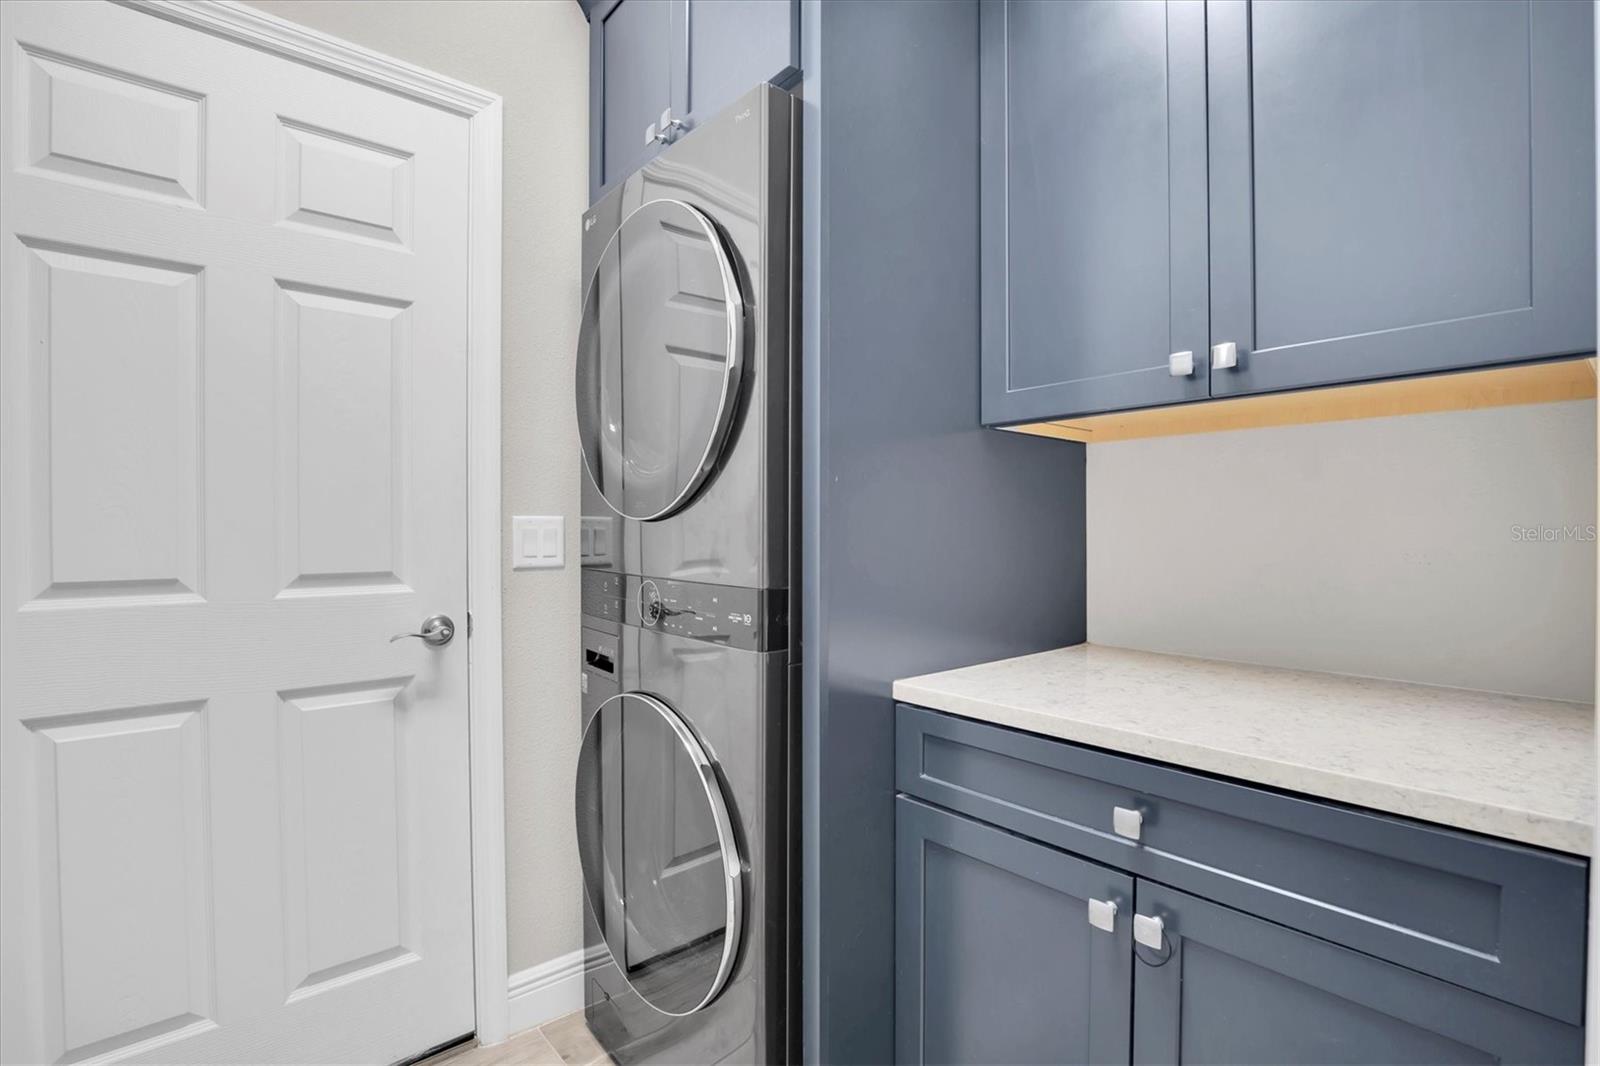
x=563, y=1042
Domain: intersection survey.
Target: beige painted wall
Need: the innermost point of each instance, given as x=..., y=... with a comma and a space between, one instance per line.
x=535, y=54
x=1391, y=547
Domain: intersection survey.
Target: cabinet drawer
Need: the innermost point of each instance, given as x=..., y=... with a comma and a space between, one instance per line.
x=1496, y=917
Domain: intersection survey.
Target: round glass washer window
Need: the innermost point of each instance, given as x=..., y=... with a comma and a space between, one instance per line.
x=660, y=354
x=661, y=870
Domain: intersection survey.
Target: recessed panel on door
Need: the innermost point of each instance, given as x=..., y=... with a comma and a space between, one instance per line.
x=114, y=412
x=348, y=881
x=344, y=411
x=1006, y=950
x=1399, y=187
x=340, y=184
x=93, y=123
x=1227, y=986
x=1093, y=205
x=634, y=57
x=124, y=876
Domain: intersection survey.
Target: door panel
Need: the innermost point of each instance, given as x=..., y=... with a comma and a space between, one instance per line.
x=126, y=871
x=234, y=815
x=344, y=404
x=349, y=887
x=995, y=959
x=115, y=483
x=733, y=46
x=632, y=47
x=1094, y=205
x=334, y=182
x=1399, y=187
x=99, y=125
x=1231, y=988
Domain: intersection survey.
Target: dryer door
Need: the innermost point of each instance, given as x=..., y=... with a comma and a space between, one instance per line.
x=661, y=870
x=660, y=351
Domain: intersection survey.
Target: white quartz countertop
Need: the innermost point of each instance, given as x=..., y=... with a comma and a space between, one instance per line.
x=1508, y=766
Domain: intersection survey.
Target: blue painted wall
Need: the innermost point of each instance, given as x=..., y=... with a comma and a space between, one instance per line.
x=928, y=542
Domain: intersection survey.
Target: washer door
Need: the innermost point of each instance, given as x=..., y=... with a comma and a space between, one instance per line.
x=661, y=871
x=660, y=351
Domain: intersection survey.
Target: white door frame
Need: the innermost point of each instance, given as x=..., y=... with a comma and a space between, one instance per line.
x=257, y=29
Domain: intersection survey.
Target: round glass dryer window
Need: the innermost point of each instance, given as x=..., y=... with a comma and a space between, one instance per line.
x=661, y=870
x=660, y=350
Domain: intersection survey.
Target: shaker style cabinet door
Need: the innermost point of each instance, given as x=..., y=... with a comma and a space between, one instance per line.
x=1398, y=186
x=1228, y=987
x=734, y=45
x=998, y=956
x=690, y=57
x=630, y=84
x=1093, y=206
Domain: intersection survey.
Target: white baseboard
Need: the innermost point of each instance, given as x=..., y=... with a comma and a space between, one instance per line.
x=547, y=991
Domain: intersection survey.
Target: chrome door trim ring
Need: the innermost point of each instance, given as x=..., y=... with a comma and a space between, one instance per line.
x=731, y=377
x=732, y=862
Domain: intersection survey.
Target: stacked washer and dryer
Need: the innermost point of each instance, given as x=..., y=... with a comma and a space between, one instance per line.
x=687, y=776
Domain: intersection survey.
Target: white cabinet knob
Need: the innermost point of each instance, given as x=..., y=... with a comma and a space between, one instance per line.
x=1224, y=356
x=1103, y=914
x=1127, y=822
x=1181, y=364
x=1148, y=931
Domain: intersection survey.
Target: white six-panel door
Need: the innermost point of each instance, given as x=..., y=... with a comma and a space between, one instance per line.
x=232, y=465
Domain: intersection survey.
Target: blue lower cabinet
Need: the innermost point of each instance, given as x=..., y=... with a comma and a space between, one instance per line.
x=1060, y=904
x=1226, y=987
x=1007, y=951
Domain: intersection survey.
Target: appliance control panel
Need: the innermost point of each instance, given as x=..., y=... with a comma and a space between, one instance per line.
x=752, y=619
x=602, y=596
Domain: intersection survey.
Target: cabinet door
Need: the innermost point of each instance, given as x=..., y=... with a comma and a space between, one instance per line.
x=1230, y=988
x=1399, y=186
x=1093, y=208
x=630, y=84
x=996, y=959
x=733, y=46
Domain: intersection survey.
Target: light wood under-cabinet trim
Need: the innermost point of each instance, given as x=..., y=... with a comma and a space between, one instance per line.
x=1567, y=379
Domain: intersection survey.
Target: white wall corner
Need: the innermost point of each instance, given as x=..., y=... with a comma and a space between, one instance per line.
x=549, y=990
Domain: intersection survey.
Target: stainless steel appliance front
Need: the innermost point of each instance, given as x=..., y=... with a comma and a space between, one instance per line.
x=660, y=354
x=684, y=380
x=685, y=816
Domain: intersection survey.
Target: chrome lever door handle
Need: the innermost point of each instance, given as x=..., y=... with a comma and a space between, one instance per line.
x=437, y=631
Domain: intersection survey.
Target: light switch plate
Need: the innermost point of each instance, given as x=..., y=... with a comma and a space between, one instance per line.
x=538, y=542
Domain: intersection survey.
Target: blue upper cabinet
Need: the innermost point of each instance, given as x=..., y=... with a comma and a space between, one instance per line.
x=630, y=85
x=1093, y=206
x=1399, y=187
x=657, y=68
x=1341, y=190
x=734, y=45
